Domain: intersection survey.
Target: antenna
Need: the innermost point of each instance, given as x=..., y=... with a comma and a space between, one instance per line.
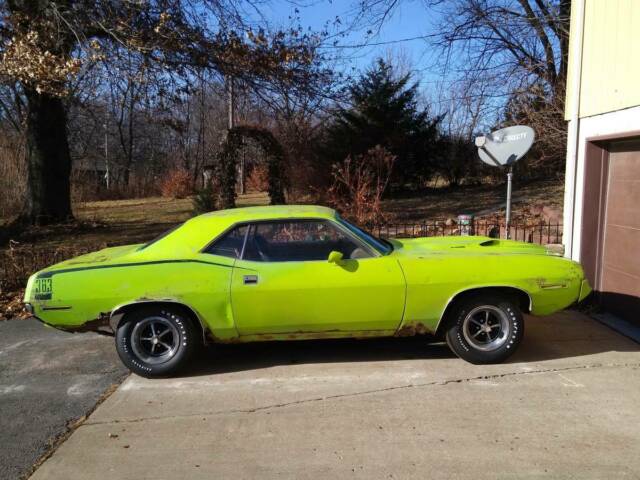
x=503, y=148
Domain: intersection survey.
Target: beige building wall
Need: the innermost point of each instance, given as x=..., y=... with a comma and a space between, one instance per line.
x=610, y=77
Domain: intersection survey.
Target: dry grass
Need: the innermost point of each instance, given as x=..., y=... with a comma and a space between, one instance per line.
x=481, y=201
x=118, y=222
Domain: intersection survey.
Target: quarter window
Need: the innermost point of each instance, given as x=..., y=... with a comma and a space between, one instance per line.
x=299, y=240
x=230, y=244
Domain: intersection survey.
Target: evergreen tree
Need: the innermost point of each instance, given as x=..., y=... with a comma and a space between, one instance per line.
x=383, y=110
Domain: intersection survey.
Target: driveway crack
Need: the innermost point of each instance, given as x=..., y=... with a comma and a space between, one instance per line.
x=275, y=406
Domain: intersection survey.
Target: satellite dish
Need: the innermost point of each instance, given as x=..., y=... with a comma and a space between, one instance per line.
x=506, y=146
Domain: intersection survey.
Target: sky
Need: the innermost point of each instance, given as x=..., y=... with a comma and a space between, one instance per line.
x=410, y=20
x=402, y=35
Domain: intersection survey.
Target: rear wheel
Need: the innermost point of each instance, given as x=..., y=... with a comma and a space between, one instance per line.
x=156, y=341
x=485, y=328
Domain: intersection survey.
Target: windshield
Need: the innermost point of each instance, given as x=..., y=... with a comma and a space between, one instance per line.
x=383, y=246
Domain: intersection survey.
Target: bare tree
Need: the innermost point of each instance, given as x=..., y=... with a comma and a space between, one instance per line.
x=46, y=45
x=511, y=53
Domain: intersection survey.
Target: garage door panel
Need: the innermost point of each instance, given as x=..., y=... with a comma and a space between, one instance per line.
x=620, y=262
x=621, y=249
x=623, y=201
x=626, y=165
x=617, y=281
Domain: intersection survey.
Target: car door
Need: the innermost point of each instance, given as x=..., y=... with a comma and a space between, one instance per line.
x=284, y=283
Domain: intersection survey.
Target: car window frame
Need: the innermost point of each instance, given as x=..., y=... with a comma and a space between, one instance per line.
x=224, y=233
x=357, y=240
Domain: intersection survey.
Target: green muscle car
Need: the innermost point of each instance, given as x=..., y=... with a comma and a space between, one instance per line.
x=301, y=272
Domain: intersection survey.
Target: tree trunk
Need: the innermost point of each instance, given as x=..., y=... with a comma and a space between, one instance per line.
x=48, y=195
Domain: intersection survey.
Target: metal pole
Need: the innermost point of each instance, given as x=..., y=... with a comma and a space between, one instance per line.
x=508, y=215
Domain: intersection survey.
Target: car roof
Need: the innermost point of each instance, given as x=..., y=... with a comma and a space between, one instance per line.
x=267, y=212
x=197, y=232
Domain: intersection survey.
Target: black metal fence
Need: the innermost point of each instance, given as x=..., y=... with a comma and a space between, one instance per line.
x=543, y=233
x=17, y=264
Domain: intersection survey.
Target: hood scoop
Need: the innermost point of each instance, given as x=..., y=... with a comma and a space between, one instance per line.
x=485, y=243
x=490, y=243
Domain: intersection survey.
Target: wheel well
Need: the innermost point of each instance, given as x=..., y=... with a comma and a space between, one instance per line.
x=118, y=314
x=521, y=297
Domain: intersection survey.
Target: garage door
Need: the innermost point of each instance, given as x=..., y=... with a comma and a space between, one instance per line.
x=620, y=267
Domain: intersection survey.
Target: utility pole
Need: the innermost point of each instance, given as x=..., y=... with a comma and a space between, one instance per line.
x=230, y=101
x=106, y=145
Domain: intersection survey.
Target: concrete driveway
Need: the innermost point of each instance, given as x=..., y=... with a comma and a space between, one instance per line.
x=48, y=380
x=566, y=406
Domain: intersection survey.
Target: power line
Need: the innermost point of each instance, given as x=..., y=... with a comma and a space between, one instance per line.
x=376, y=44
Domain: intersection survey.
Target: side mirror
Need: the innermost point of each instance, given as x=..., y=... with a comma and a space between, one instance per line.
x=335, y=257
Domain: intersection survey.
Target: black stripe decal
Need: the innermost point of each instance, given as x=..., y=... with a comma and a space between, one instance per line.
x=119, y=265
x=56, y=308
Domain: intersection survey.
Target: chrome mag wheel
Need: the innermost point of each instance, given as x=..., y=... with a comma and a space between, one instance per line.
x=486, y=328
x=155, y=340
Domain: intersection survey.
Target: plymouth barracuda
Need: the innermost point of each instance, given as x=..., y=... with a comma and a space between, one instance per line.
x=301, y=272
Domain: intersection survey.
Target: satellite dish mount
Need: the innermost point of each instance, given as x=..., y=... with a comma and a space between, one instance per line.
x=503, y=148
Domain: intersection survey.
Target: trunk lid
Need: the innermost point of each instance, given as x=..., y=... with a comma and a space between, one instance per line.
x=104, y=256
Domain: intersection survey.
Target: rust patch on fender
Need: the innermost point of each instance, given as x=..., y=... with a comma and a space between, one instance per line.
x=99, y=325
x=210, y=337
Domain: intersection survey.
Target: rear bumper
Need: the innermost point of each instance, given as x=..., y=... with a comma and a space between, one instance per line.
x=99, y=325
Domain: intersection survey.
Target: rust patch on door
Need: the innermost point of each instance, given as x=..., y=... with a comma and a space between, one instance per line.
x=411, y=329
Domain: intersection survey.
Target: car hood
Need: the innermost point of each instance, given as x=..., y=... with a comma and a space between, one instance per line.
x=464, y=245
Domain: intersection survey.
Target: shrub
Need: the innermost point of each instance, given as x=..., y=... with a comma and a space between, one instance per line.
x=204, y=200
x=258, y=179
x=359, y=183
x=177, y=184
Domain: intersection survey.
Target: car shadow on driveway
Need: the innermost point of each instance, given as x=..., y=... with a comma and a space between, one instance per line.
x=253, y=356
x=564, y=335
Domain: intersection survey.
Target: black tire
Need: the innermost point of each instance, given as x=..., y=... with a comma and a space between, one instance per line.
x=484, y=328
x=156, y=340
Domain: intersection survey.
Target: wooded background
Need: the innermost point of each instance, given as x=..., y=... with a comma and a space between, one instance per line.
x=121, y=99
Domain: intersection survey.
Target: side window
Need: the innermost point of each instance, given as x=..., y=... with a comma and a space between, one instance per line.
x=299, y=240
x=230, y=244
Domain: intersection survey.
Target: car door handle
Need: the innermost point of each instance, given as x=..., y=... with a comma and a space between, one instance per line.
x=250, y=279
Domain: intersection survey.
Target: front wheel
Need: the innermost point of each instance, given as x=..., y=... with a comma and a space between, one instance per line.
x=485, y=328
x=155, y=341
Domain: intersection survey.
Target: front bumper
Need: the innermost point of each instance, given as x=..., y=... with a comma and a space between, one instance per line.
x=585, y=290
